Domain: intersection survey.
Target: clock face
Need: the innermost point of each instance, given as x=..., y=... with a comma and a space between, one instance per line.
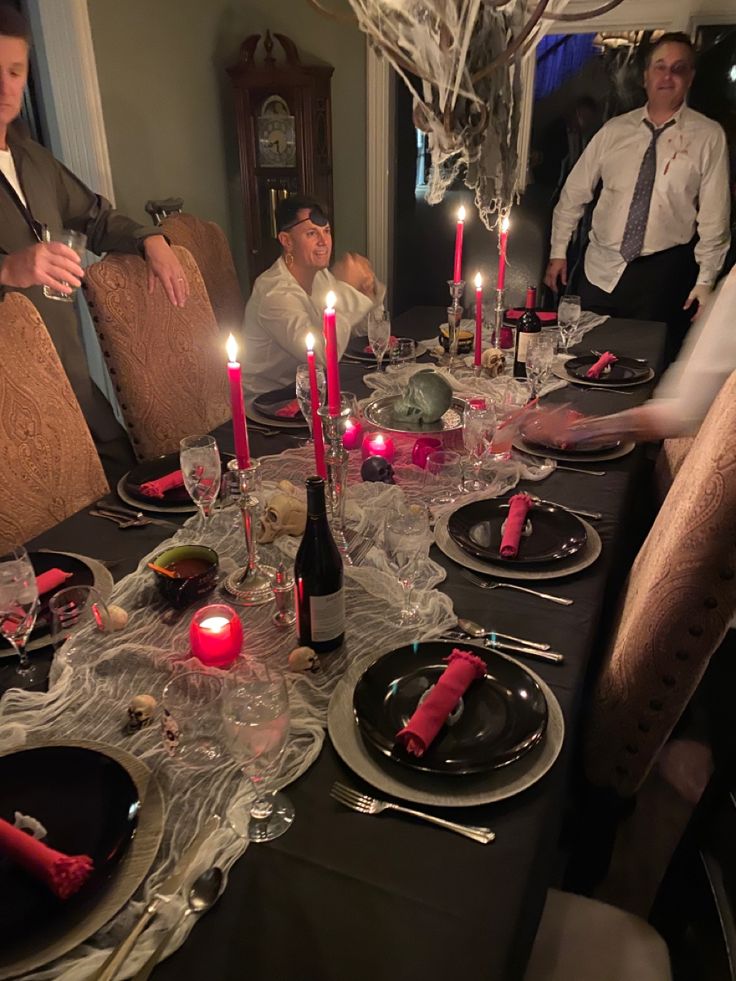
x=276, y=140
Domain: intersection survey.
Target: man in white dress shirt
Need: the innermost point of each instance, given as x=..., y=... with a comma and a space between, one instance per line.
x=664, y=176
x=288, y=298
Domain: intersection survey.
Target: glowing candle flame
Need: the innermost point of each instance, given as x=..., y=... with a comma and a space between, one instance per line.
x=478, y=281
x=215, y=624
x=310, y=342
x=505, y=225
x=232, y=349
x=330, y=301
x=461, y=214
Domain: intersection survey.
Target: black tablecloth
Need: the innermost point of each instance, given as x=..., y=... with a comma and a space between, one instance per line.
x=342, y=895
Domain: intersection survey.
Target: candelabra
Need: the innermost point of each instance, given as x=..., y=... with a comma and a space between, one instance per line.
x=253, y=584
x=497, y=338
x=454, y=319
x=336, y=460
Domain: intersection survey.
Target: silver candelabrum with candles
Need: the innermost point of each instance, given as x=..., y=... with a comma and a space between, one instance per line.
x=253, y=584
x=336, y=461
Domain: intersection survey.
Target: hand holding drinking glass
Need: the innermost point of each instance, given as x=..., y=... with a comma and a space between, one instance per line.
x=406, y=540
x=568, y=317
x=200, y=465
x=304, y=391
x=379, y=333
x=18, y=610
x=479, y=428
x=255, y=712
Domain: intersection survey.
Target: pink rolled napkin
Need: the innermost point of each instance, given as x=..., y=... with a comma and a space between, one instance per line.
x=290, y=410
x=157, y=488
x=597, y=369
x=63, y=874
x=519, y=506
x=463, y=668
x=51, y=579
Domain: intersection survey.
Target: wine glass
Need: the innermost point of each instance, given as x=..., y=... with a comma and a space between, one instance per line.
x=568, y=316
x=406, y=540
x=379, y=333
x=200, y=466
x=74, y=610
x=444, y=466
x=304, y=391
x=479, y=428
x=540, y=354
x=255, y=712
x=18, y=610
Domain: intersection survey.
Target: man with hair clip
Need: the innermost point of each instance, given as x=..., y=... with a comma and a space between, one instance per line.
x=38, y=193
x=660, y=229
x=288, y=298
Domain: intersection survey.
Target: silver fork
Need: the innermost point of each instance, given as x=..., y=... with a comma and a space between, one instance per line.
x=495, y=584
x=370, y=805
x=593, y=515
x=589, y=473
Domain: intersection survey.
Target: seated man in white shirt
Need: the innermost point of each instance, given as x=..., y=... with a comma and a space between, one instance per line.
x=663, y=171
x=288, y=299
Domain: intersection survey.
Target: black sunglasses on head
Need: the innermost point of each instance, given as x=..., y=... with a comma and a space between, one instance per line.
x=316, y=216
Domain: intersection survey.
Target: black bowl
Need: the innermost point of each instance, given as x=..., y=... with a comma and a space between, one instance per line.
x=464, y=341
x=184, y=589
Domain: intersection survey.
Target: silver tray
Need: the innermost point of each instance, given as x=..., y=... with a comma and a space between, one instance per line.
x=380, y=413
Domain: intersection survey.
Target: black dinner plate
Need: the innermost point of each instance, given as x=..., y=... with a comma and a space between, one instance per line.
x=89, y=805
x=624, y=371
x=177, y=497
x=527, y=433
x=269, y=403
x=360, y=350
x=503, y=716
x=556, y=533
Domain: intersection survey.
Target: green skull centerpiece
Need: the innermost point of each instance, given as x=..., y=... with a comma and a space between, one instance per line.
x=428, y=396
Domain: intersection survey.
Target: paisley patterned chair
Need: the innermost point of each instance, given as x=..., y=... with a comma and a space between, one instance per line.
x=669, y=460
x=167, y=363
x=50, y=465
x=211, y=250
x=677, y=605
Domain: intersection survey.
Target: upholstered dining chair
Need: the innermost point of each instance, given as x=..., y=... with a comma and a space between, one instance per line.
x=670, y=458
x=50, y=464
x=677, y=604
x=211, y=250
x=167, y=363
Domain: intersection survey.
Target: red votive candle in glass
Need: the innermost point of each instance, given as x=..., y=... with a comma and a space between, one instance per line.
x=216, y=635
x=237, y=407
x=422, y=448
x=457, y=272
x=332, y=360
x=376, y=444
x=353, y=437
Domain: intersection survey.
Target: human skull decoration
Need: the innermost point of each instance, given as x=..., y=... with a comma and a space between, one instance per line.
x=283, y=515
x=493, y=361
x=303, y=659
x=376, y=469
x=141, y=711
x=428, y=396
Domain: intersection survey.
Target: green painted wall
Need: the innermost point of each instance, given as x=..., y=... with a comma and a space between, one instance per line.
x=169, y=111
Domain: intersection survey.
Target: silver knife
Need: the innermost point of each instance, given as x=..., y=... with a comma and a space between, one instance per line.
x=136, y=515
x=169, y=887
x=554, y=656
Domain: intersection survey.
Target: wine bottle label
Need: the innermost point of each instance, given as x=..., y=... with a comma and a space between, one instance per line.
x=523, y=343
x=327, y=614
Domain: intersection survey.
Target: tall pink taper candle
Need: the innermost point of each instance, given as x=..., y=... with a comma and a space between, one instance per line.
x=314, y=398
x=502, y=240
x=478, y=319
x=332, y=363
x=237, y=407
x=457, y=274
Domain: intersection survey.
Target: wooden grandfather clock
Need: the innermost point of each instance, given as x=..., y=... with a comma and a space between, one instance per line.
x=283, y=114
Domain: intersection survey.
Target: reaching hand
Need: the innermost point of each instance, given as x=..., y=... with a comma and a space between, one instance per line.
x=44, y=264
x=699, y=292
x=556, y=269
x=356, y=271
x=166, y=268
x=643, y=424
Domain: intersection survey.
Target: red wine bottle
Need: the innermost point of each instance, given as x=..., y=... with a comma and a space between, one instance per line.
x=527, y=325
x=318, y=578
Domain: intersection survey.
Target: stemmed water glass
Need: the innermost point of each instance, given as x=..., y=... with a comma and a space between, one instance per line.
x=18, y=610
x=255, y=712
x=73, y=610
x=568, y=317
x=540, y=354
x=304, y=391
x=479, y=428
x=406, y=540
x=200, y=466
x=379, y=334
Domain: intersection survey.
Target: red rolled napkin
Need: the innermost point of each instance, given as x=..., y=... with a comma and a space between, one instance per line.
x=51, y=579
x=597, y=369
x=157, y=488
x=519, y=506
x=463, y=668
x=63, y=874
x=290, y=410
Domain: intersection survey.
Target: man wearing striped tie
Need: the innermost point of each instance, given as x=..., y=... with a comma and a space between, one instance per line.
x=660, y=229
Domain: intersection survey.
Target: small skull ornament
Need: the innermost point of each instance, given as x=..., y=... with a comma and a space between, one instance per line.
x=376, y=469
x=303, y=659
x=284, y=515
x=141, y=711
x=428, y=396
x=493, y=361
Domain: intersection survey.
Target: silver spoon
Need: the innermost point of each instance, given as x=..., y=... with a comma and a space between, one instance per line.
x=473, y=629
x=203, y=894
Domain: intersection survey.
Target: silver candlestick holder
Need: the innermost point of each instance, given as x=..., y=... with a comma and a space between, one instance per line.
x=454, y=319
x=253, y=584
x=498, y=318
x=336, y=460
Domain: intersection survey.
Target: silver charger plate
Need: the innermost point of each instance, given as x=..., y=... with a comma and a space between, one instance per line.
x=260, y=420
x=569, y=567
x=103, y=582
x=560, y=372
x=380, y=413
x=623, y=450
x=425, y=788
x=132, y=869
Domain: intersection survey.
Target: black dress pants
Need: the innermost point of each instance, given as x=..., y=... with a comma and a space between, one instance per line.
x=652, y=287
